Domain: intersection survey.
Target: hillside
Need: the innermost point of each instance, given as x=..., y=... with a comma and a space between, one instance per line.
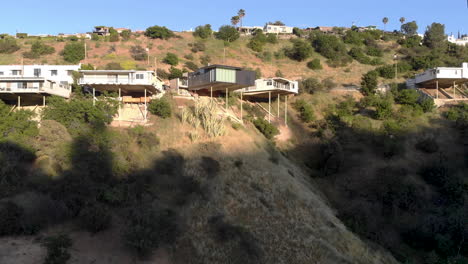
x=101, y=53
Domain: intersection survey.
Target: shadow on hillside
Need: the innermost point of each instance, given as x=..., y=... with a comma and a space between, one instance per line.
x=401, y=189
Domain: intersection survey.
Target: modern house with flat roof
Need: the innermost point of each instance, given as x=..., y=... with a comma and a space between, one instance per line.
x=248, y=30
x=445, y=83
x=30, y=84
x=220, y=78
x=463, y=41
x=275, y=86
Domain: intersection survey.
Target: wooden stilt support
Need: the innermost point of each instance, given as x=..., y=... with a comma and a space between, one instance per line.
x=43, y=100
x=19, y=101
x=94, y=97
x=286, y=110
x=269, y=107
x=146, y=107
x=437, y=89
x=241, y=107
x=211, y=94
x=227, y=91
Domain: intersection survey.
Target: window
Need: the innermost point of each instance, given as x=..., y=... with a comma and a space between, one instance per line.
x=269, y=83
x=15, y=72
x=21, y=85
x=37, y=72
x=1, y=73
x=53, y=73
x=140, y=76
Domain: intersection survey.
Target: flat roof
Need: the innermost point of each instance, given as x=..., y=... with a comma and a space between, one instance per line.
x=220, y=66
x=112, y=71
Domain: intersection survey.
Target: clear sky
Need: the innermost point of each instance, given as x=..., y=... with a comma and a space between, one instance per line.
x=67, y=16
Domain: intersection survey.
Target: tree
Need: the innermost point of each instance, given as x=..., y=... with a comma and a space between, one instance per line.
x=402, y=20
x=74, y=52
x=126, y=34
x=241, y=15
x=300, y=51
x=385, y=21
x=435, y=37
x=235, y=20
x=227, y=33
x=113, y=35
x=38, y=49
x=410, y=28
x=369, y=82
x=159, y=32
x=171, y=59
x=203, y=32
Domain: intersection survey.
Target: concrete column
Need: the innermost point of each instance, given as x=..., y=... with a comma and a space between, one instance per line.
x=437, y=89
x=94, y=96
x=120, y=103
x=269, y=107
x=19, y=101
x=43, y=100
x=211, y=94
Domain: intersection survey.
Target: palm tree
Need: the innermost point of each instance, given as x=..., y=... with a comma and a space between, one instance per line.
x=402, y=20
x=385, y=21
x=241, y=15
x=235, y=20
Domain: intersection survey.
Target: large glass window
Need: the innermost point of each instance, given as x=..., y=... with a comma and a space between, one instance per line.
x=37, y=72
x=15, y=72
x=140, y=76
x=53, y=73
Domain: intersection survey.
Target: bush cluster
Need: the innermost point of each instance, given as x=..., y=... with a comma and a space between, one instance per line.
x=267, y=129
x=160, y=107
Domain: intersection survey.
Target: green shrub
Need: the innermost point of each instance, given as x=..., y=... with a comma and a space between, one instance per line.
x=147, y=229
x=197, y=46
x=310, y=85
x=162, y=74
x=328, y=83
x=8, y=45
x=369, y=82
x=160, y=107
x=10, y=222
x=331, y=48
x=57, y=249
x=383, y=108
x=387, y=71
x=408, y=96
x=38, y=49
x=314, y=64
x=16, y=125
x=138, y=53
x=427, y=105
x=271, y=38
x=227, y=33
x=203, y=32
x=189, y=57
x=174, y=73
x=300, y=50
x=374, y=51
x=267, y=129
x=95, y=218
x=191, y=65
x=306, y=111
x=126, y=35
x=155, y=32
x=427, y=145
x=255, y=45
x=78, y=111
x=113, y=35
x=171, y=59
x=74, y=52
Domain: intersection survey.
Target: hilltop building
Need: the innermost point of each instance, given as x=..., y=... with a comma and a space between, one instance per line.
x=463, y=41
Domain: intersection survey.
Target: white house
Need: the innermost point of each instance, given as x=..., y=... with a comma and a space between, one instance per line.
x=462, y=41
x=248, y=30
x=442, y=82
x=272, y=86
x=33, y=80
x=275, y=29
